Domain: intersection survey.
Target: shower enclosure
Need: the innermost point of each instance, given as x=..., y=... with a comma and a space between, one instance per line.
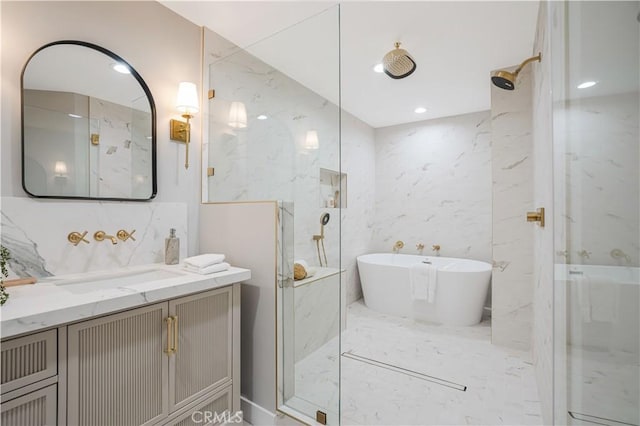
x=273, y=134
x=596, y=70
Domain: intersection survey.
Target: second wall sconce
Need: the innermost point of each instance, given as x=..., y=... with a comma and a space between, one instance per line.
x=187, y=104
x=237, y=115
x=311, y=140
x=60, y=169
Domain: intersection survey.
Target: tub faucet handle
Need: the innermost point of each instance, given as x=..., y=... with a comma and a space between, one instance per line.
x=397, y=246
x=420, y=247
x=436, y=248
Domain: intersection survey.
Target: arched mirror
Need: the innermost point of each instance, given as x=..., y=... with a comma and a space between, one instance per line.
x=88, y=125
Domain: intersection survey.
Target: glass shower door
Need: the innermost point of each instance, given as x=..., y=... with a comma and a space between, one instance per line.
x=596, y=115
x=274, y=135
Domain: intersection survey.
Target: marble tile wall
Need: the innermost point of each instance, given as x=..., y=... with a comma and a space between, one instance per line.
x=512, y=172
x=543, y=238
x=317, y=316
x=602, y=179
x=268, y=159
x=433, y=186
x=114, y=166
x=35, y=232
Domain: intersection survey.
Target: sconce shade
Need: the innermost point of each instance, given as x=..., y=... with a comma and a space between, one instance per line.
x=187, y=101
x=237, y=115
x=60, y=169
x=311, y=141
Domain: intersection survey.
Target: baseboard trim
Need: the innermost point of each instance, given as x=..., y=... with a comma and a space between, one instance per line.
x=255, y=414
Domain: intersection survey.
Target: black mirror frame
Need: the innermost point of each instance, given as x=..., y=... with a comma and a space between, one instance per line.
x=152, y=105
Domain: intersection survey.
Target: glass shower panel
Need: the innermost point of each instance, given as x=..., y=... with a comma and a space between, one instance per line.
x=596, y=113
x=274, y=134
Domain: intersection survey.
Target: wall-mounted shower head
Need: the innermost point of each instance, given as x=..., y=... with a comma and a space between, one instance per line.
x=507, y=80
x=398, y=63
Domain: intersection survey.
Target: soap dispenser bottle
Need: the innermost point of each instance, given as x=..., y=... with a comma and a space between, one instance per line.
x=172, y=248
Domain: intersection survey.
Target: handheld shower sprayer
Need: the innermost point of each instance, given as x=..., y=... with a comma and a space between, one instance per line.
x=319, y=239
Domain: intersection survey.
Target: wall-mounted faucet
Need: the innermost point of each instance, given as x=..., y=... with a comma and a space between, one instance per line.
x=397, y=246
x=436, y=248
x=101, y=236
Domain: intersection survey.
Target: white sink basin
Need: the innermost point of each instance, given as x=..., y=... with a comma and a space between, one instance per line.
x=115, y=279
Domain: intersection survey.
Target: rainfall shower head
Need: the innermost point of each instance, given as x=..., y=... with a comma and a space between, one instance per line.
x=398, y=63
x=507, y=80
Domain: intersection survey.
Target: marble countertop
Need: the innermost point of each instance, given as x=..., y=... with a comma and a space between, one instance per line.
x=59, y=300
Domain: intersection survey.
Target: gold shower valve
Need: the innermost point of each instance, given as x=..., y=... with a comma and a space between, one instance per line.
x=537, y=216
x=124, y=235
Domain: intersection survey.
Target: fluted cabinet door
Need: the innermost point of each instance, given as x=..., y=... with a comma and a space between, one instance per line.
x=118, y=370
x=203, y=358
x=33, y=409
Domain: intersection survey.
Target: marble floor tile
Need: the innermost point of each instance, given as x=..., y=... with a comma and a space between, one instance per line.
x=500, y=382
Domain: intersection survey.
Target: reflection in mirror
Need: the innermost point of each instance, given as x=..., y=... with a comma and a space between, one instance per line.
x=88, y=125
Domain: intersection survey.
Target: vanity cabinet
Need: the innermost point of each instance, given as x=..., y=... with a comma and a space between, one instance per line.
x=175, y=362
x=29, y=369
x=141, y=366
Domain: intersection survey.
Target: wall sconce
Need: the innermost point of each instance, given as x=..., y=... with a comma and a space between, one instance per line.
x=238, y=115
x=311, y=141
x=60, y=169
x=187, y=104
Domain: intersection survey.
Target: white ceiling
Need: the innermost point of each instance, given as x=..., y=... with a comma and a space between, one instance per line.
x=455, y=46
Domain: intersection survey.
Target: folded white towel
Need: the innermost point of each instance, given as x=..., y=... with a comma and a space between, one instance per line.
x=204, y=260
x=218, y=267
x=423, y=280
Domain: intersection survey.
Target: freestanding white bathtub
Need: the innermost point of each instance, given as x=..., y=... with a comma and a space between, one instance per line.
x=462, y=286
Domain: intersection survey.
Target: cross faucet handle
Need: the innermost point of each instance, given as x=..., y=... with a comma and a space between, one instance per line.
x=124, y=235
x=75, y=238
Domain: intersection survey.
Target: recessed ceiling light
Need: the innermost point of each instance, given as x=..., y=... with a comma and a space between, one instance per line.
x=587, y=84
x=420, y=110
x=261, y=117
x=378, y=68
x=74, y=115
x=121, y=68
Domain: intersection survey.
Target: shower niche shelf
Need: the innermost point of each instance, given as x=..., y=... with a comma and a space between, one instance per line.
x=333, y=189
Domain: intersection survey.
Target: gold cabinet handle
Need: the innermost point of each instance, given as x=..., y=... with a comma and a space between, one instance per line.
x=169, y=321
x=175, y=333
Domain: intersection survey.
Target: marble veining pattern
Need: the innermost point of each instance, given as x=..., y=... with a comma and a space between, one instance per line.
x=501, y=385
x=35, y=232
x=317, y=312
x=542, y=338
x=433, y=186
x=512, y=236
